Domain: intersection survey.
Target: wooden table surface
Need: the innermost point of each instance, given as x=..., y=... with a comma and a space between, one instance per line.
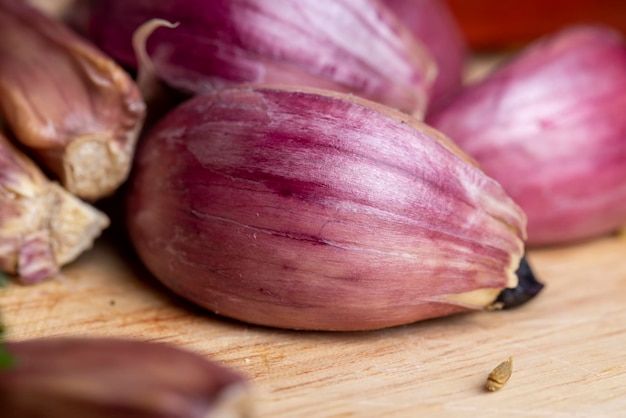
x=568, y=345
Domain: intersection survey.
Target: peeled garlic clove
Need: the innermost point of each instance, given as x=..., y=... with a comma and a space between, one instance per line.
x=42, y=226
x=72, y=106
x=432, y=23
x=309, y=209
x=335, y=44
x=80, y=377
x=549, y=126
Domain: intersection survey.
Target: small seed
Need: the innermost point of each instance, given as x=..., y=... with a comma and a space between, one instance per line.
x=500, y=375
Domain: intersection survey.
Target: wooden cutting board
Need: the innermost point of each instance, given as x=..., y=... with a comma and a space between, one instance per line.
x=568, y=345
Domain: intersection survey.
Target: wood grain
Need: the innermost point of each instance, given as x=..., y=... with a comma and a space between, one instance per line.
x=569, y=344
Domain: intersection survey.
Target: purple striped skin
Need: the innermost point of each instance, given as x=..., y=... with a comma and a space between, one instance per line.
x=316, y=210
x=549, y=125
x=342, y=45
x=432, y=22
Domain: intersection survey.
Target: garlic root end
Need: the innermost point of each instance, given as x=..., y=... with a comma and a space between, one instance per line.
x=93, y=168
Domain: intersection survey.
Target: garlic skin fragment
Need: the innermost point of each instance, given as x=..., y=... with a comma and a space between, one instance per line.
x=549, y=126
x=308, y=209
x=42, y=226
x=76, y=110
x=112, y=377
x=342, y=45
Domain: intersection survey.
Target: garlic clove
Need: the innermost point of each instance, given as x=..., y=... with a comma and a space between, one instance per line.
x=73, y=107
x=110, y=377
x=42, y=226
x=308, y=209
x=548, y=125
x=334, y=44
x=433, y=24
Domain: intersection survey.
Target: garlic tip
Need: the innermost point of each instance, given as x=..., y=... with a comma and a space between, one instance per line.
x=527, y=288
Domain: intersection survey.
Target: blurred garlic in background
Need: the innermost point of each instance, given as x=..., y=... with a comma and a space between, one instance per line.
x=42, y=226
x=549, y=125
x=72, y=107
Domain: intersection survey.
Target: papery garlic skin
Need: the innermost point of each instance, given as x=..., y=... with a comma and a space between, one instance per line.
x=112, y=377
x=307, y=209
x=432, y=23
x=42, y=226
x=549, y=125
x=71, y=105
x=358, y=47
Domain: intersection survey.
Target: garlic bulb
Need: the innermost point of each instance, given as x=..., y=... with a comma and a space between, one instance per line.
x=549, y=126
x=308, y=209
x=359, y=47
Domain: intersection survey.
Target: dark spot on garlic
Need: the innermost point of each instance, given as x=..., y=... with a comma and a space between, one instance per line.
x=527, y=288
